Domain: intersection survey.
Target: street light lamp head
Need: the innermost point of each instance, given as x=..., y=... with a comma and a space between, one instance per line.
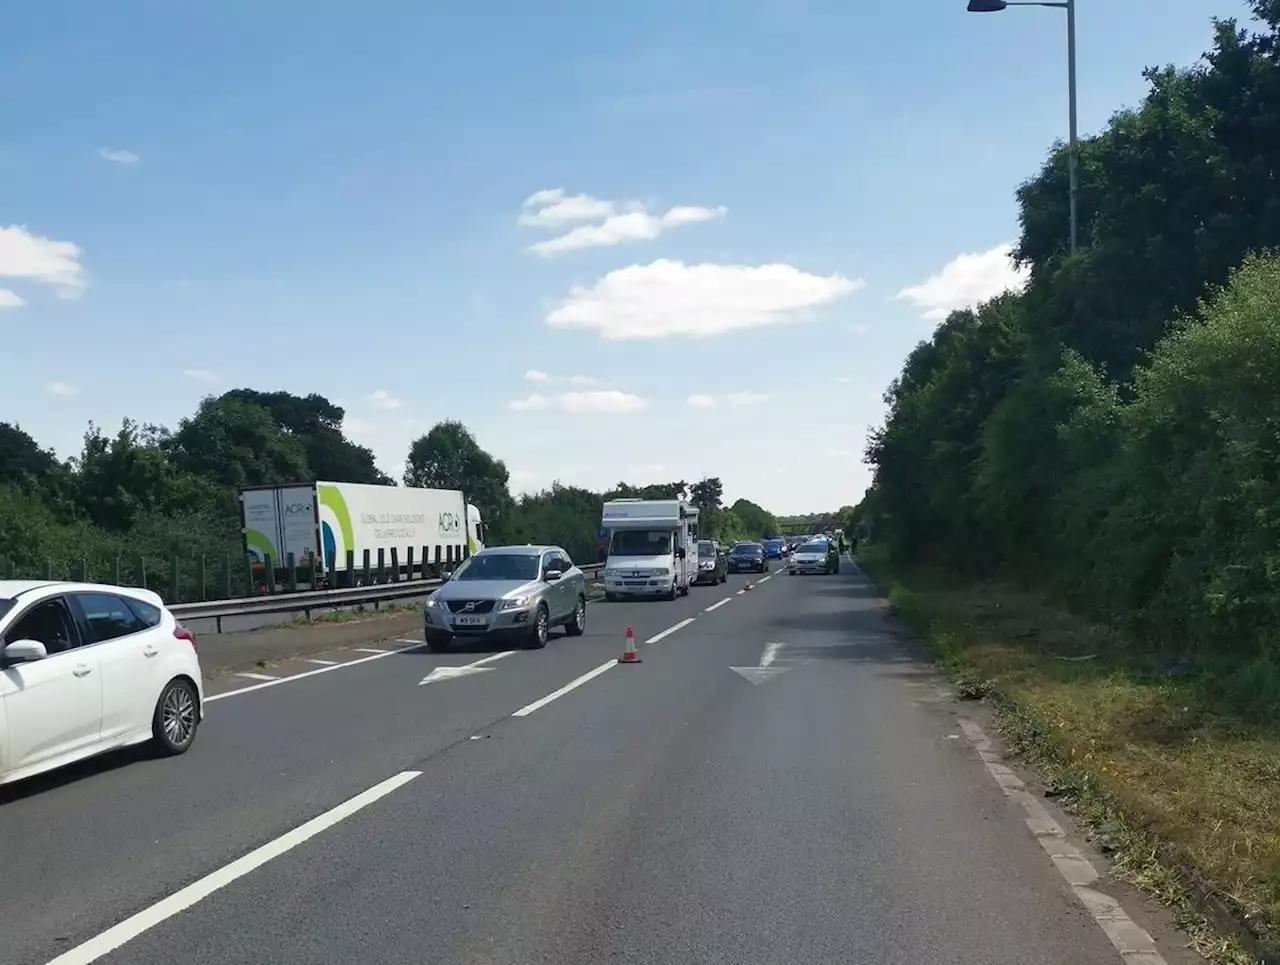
x=987, y=6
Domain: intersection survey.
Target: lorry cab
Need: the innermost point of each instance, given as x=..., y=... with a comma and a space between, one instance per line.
x=475, y=530
x=652, y=547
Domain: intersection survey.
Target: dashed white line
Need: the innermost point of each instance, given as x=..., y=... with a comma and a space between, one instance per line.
x=129, y=929
x=1135, y=946
x=528, y=709
x=407, y=640
x=322, y=663
x=670, y=630
x=718, y=604
x=257, y=676
x=368, y=650
x=740, y=592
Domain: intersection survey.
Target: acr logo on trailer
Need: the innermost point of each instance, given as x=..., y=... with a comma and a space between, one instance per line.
x=450, y=524
x=294, y=508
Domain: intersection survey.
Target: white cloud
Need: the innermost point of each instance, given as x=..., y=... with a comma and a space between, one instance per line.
x=667, y=298
x=965, y=281
x=746, y=398
x=532, y=402
x=582, y=380
x=702, y=401
x=595, y=401
x=10, y=299
x=537, y=375
x=636, y=224
x=382, y=399
x=552, y=209
x=61, y=388
x=201, y=375
x=43, y=260
x=602, y=400
x=118, y=156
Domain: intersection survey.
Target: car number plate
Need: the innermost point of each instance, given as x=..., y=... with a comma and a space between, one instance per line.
x=469, y=621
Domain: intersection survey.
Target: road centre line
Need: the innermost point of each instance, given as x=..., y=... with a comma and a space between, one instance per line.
x=129, y=929
x=528, y=709
x=718, y=604
x=670, y=630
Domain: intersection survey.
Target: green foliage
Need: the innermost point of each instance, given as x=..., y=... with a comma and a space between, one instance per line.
x=132, y=502
x=1113, y=432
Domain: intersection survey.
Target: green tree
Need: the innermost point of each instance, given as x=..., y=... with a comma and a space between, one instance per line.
x=235, y=443
x=448, y=457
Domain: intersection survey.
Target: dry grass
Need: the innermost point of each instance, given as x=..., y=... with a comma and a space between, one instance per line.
x=1177, y=768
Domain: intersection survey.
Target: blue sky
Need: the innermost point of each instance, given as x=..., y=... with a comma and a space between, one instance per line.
x=328, y=196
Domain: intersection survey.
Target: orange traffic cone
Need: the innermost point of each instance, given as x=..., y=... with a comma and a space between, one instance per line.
x=629, y=653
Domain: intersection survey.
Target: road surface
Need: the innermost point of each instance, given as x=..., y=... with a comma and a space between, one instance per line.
x=818, y=804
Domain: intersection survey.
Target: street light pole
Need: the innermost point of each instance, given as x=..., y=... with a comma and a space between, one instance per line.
x=996, y=6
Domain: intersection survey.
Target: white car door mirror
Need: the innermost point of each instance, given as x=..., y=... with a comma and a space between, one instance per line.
x=25, y=651
x=553, y=575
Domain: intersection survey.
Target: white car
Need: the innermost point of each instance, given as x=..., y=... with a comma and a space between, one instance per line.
x=86, y=668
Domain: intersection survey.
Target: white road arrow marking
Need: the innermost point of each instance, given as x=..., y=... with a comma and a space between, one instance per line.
x=766, y=670
x=453, y=673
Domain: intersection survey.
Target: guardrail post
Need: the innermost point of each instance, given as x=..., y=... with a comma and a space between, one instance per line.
x=46, y=570
x=115, y=571
x=436, y=572
x=226, y=578
x=270, y=567
x=382, y=565
x=351, y=567
x=315, y=577
x=426, y=562
x=6, y=567
x=141, y=571
x=395, y=566
x=202, y=579
x=80, y=572
x=365, y=576
x=291, y=577
x=174, y=594
x=408, y=563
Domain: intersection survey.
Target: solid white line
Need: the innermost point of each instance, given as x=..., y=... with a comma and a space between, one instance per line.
x=718, y=604
x=368, y=650
x=528, y=709
x=129, y=929
x=1129, y=938
x=323, y=663
x=257, y=676
x=670, y=630
x=275, y=682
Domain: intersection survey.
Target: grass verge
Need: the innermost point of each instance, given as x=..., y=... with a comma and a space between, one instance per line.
x=1175, y=768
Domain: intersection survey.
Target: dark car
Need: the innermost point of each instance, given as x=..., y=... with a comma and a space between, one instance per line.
x=713, y=565
x=775, y=549
x=747, y=558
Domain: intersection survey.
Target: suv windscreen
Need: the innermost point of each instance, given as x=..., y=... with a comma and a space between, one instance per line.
x=748, y=549
x=500, y=566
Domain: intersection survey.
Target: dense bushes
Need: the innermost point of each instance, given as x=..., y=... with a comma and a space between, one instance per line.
x=1113, y=432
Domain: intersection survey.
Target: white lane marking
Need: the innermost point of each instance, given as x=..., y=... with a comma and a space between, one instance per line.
x=718, y=604
x=765, y=579
x=322, y=663
x=670, y=630
x=770, y=653
x=368, y=650
x=1129, y=939
x=276, y=681
x=407, y=640
x=257, y=676
x=528, y=709
x=453, y=673
x=129, y=929
x=740, y=592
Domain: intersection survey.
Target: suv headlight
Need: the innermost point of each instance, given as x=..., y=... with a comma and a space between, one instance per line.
x=432, y=603
x=516, y=603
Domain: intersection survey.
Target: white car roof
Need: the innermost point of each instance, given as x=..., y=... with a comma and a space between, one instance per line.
x=12, y=588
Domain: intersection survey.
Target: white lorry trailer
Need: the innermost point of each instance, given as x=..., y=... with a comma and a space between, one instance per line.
x=330, y=519
x=652, y=547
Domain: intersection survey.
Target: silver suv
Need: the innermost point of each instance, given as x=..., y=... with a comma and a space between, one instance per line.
x=518, y=592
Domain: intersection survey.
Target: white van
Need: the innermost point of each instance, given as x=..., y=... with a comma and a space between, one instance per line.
x=652, y=547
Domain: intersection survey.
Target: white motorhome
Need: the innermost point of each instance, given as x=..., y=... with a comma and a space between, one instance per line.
x=652, y=547
x=330, y=519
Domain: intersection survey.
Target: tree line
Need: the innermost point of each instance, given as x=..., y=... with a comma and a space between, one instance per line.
x=147, y=494
x=1114, y=427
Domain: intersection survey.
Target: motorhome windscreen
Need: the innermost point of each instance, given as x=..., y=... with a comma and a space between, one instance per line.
x=641, y=542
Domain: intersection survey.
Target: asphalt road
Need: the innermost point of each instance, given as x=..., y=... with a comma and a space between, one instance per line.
x=820, y=809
